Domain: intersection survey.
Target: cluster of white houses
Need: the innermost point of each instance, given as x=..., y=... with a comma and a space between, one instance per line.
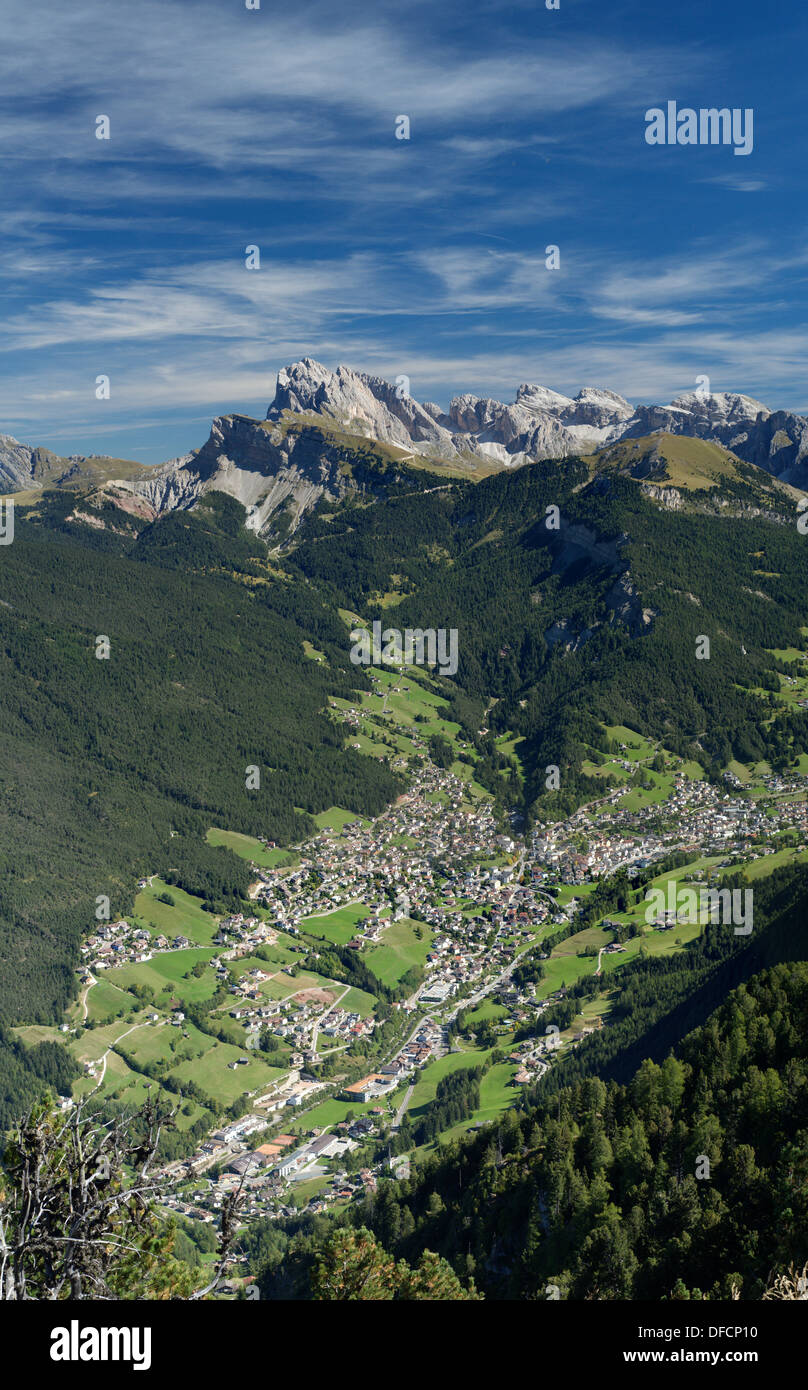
x=697, y=815
x=429, y=860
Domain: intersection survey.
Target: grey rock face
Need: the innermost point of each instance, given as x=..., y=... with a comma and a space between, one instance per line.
x=540, y=423
x=270, y=465
x=602, y=409
x=23, y=466
x=263, y=468
x=367, y=404
x=16, y=469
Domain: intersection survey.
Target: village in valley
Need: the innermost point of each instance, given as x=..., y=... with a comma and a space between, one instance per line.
x=301, y=1080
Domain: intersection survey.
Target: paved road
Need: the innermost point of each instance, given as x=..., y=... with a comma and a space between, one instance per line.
x=321, y=1018
x=403, y=1106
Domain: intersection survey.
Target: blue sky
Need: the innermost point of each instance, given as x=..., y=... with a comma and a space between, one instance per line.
x=425, y=257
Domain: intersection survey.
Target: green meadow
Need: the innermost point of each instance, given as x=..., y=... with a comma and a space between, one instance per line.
x=338, y=926
x=399, y=950
x=107, y=1000
x=247, y=847
x=169, y=969
x=427, y=1083
x=186, y=918
x=211, y=1072
x=335, y=818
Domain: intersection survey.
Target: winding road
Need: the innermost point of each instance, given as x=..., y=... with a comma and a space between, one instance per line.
x=112, y=1046
x=93, y=981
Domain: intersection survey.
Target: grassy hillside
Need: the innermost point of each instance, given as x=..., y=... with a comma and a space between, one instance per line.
x=685, y=463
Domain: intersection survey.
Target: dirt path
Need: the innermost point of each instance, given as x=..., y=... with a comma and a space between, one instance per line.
x=113, y=1045
x=93, y=981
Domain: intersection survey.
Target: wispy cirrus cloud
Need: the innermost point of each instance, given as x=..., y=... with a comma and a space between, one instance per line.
x=276, y=127
x=213, y=87
x=216, y=332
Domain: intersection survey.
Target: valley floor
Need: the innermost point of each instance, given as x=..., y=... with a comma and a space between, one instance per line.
x=302, y=1087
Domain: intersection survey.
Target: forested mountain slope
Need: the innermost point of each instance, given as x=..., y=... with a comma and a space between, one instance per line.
x=114, y=768
x=580, y=600
x=577, y=594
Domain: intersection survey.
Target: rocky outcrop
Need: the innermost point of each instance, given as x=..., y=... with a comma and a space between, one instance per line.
x=668, y=497
x=540, y=423
x=625, y=606
x=282, y=463
x=267, y=468
x=366, y=405
x=24, y=466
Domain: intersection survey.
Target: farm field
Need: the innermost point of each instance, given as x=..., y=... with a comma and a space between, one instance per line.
x=637, y=747
x=591, y=1011
x=335, y=818
x=497, y=1093
x=358, y=1001
x=427, y=1083
x=485, y=1011
x=686, y=871
x=766, y=864
x=245, y=964
x=107, y=1000
x=91, y=1044
x=186, y=918
x=338, y=926
x=284, y=951
x=640, y=797
x=568, y=891
x=168, y=971
x=565, y=967
x=33, y=1033
x=119, y=1081
x=161, y=1042
x=399, y=950
x=284, y=986
x=213, y=1075
x=247, y=847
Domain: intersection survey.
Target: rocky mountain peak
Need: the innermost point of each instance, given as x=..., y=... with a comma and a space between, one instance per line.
x=267, y=468
x=541, y=398
x=720, y=406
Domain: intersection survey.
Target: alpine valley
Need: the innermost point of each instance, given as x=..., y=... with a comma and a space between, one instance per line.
x=381, y=937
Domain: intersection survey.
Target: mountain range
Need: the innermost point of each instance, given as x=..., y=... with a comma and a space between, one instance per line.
x=228, y=583
x=320, y=422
